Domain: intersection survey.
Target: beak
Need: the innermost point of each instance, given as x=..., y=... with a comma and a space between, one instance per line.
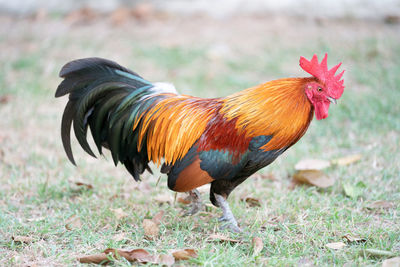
x=333, y=101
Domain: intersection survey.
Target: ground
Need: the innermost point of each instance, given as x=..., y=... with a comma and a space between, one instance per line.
x=205, y=57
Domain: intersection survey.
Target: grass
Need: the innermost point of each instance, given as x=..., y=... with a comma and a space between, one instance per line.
x=38, y=193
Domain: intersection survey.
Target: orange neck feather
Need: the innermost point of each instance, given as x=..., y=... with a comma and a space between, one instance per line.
x=279, y=108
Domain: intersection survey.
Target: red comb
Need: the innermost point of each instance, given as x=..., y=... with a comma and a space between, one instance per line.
x=320, y=71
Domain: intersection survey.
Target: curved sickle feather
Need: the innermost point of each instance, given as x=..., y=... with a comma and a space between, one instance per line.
x=66, y=124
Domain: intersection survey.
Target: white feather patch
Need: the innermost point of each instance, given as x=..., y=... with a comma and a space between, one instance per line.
x=163, y=87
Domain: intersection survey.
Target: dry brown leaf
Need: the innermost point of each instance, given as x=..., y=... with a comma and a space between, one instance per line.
x=143, y=11
x=346, y=160
x=83, y=15
x=4, y=99
x=73, y=222
x=336, y=245
x=120, y=16
x=22, y=239
x=158, y=217
x=139, y=255
x=185, y=201
x=258, y=245
x=222, y=238
x=87, y=186
x=392, y=19
x=165, y=259
x=392, y=262
x=354, y=238
x=184, y=254
x=313, y=177
x=119, y=213
x=251, y=201
x=312, y=164
x=95, y=258
x=150, y=228
x=381, y=204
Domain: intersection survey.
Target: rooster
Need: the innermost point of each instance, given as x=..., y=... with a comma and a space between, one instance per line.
x=196, y=141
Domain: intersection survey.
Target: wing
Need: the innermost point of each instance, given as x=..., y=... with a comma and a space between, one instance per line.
x=221, y=153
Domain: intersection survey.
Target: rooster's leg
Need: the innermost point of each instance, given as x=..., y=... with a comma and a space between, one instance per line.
x=227, y=214
x=196, y=204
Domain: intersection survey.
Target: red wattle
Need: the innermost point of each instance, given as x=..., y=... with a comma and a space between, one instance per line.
x=321, y=110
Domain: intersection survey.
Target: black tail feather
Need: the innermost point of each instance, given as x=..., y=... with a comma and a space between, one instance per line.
x=105, y=97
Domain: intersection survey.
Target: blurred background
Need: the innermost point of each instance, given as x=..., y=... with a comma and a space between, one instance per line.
x=209, y=49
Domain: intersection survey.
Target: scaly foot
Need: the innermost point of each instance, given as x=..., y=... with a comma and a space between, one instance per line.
x=227, y=216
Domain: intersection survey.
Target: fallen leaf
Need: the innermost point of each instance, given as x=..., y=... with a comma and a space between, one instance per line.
x=336, y=245
x=313, y=177
x=185, y=201
x=4, y=99
x=139, y=255
x=252, y=202
x=354, y=191
x=22, y=239
x=150, y=228
x=258, y=245
x=392, y=262
x=184, y=254
x=381, y=204
x=87, y=186
x=222, y=238
x=83, y=15
x=73, y=223
x=143, y=11
x=158, y=217
x=120, y=16
x=392, y=19
x=95, y=258
x=378, y=253
x=312, y=164
x=119, y=213
x=346, y=160
x=165, y=259
x=354, y=238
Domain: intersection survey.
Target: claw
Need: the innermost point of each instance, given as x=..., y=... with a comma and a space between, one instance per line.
x=196, y=204
x=232, y=227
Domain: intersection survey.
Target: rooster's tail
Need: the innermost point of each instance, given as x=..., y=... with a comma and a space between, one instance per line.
x=109, y=99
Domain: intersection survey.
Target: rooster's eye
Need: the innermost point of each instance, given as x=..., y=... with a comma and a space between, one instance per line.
x=319, y=89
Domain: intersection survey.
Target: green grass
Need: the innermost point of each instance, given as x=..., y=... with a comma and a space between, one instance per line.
x=37, y=184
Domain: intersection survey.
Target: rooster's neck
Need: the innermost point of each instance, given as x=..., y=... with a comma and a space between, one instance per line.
x=279, y=108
